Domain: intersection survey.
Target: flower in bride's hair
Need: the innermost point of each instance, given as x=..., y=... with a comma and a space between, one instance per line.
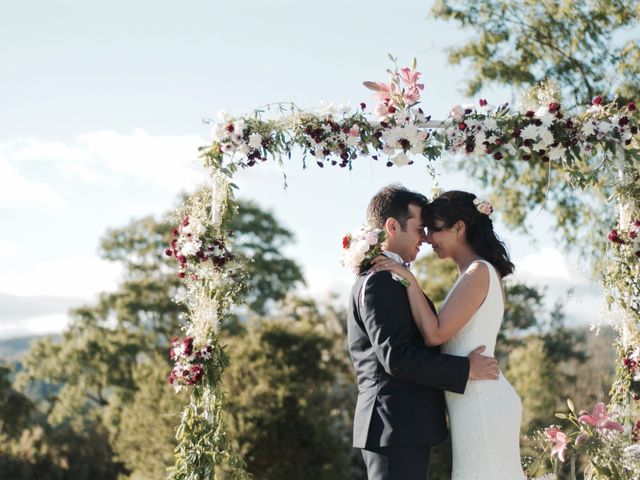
x=483, y=206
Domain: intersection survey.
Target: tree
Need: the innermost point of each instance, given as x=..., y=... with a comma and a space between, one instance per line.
x=291, y=395
x=97, y=365
x=585, y=49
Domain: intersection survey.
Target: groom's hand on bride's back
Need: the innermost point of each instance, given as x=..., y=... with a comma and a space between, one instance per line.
x=481, y=367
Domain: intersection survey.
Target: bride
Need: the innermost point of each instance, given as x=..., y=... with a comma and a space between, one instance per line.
x=485, y=420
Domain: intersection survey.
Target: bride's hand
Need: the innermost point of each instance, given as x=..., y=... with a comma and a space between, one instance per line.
x=386, y=264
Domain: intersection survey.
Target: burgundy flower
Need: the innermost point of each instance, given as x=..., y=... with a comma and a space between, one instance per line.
x=483, y=102
x=391, y=109
x=187, y=343
x=516, y=133
x=634, y=129
x=175, y=232
x=185, y=221
x=530, y=114
x=168, y=252
x=467, y=111
x=497, y=156
x=230, y=128
x=631, y=106
x=623, y=121
x=462, y=126
x=554, y=107
x=363, y=105
x=470, y=147
x=181, y=275
x=597, y=100
x=613, y=236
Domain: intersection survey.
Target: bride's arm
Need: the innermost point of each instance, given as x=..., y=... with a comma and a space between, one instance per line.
x=463, y=302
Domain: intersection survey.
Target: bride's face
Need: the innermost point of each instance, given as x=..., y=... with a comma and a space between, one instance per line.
x=443, y=240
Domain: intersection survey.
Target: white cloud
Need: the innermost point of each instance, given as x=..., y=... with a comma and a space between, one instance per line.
x=41, y=325
x=81, y=276
x=16, y=190
x=169, y=162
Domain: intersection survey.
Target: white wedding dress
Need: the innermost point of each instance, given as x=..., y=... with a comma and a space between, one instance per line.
x=485, y=420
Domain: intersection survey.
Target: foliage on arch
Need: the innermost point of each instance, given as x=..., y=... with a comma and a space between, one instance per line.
x=595, y=147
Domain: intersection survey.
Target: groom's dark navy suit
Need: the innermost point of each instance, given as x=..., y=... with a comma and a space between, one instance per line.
x=400, y=409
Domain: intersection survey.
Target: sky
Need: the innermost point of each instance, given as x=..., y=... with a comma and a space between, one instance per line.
x=101, y=115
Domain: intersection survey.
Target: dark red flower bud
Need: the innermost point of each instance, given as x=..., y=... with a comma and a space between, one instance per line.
x=462, y=126
x=530, y=114
x=526, y=157
x=623, y=121
x=391, y=109
x=230, y=128
x=175, y=232
x=597, y=100
x=516, y=133
x=634, y=129
x=631, y=106
x=497, y=156
x=389, y=164
x=470, y=147
x=185, y=221
x=467, y=111
x=168, y=252
x=363, y=105
x=483, y=102
x=554, y=107
x=181, y=275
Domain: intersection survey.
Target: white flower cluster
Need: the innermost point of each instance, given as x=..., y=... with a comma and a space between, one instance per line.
x=189, y=243
x=360, y=246
x=230, y=137
x=631, y=460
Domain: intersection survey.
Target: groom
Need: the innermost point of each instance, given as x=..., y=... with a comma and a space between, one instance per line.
x=400, y=408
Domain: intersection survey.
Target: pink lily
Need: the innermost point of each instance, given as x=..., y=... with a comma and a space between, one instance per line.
x=600, y=419
x=560, y=441
x=383, y=90
x=409, y=76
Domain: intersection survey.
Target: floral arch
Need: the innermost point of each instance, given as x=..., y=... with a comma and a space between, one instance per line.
x=594, y=147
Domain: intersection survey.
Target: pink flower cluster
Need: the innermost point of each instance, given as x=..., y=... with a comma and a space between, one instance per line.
x=189, y=362
x=190, y=246
x=598, y=418
x=402, y=91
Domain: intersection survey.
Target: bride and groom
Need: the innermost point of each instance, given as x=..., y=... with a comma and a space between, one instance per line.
x=410, y=359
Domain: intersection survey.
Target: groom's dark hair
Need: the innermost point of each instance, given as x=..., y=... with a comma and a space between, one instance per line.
x=393, y=201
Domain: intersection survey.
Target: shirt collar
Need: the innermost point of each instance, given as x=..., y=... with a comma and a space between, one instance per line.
x=395, y=256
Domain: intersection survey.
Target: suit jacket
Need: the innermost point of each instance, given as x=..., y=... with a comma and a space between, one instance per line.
x=400, y=379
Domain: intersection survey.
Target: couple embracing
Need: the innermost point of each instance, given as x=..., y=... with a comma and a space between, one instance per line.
x=409, y=358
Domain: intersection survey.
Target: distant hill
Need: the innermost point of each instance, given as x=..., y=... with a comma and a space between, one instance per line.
x=12, y=349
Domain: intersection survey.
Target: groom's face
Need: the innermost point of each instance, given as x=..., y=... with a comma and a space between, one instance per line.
x=406, y=242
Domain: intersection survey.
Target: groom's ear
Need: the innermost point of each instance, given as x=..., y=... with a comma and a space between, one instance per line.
x=390, y=226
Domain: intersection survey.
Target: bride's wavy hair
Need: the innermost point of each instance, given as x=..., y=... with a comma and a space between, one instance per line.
x=455, y=205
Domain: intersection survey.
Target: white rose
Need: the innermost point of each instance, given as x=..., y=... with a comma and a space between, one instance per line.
x=546, y=136
x=362, y=246
x=372, y=237
x=545, y=116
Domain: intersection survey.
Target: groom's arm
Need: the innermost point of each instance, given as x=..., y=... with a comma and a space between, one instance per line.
x=387, y=318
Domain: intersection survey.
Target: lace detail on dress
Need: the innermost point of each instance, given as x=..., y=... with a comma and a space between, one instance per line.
x=485, y=421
